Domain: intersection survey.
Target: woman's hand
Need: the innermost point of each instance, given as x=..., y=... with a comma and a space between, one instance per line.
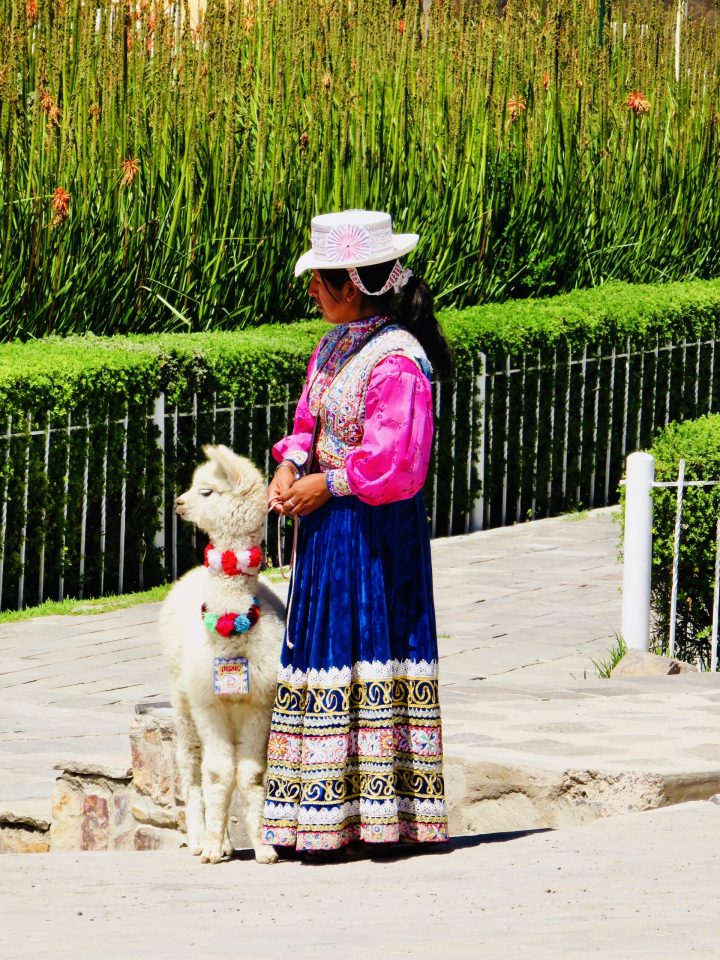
x=280, y=486
x=307, y=494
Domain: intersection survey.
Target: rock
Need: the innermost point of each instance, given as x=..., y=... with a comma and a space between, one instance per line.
x=142, y=708
x=108, y=767
x=26, y=814
x=613, y=794
x=66, y=829
x=686, y=787
x=152, y=746
x=24, y=827
x=95, y=823
x=92, y=813
x=155, y=838
x=19, y=840
x=145, y=811
x=638, y=663
x=494, y=798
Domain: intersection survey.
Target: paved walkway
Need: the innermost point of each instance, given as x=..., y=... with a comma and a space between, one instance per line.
x=641, y=887
x=521, y=613
x=533, y=602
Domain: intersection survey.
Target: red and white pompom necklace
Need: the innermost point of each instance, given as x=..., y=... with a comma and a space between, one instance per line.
x=232, y=563
x=232, y=674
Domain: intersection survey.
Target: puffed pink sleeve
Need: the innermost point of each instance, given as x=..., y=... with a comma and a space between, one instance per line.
x=392, y=460
x=296, y=446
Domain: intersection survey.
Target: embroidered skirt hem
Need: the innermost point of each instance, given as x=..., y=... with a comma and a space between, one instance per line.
x=368, y=833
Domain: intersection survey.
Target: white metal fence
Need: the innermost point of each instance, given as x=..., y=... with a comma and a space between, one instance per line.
x=87, y=501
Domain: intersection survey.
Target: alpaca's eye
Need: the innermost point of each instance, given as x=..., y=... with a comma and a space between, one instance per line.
x=205, y=492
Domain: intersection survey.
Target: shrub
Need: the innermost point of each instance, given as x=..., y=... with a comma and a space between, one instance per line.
x=698, y=443
x=556, y=430
x=156, y=178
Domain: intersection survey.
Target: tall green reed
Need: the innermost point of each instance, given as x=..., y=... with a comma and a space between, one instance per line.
x=195, y=159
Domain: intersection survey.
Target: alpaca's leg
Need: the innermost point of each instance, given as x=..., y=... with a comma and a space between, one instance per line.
x=187, y=751
x=228, y=849
x=218, y=782
x=252, y=761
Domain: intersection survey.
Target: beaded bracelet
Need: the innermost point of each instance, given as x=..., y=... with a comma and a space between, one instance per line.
x=293, y=467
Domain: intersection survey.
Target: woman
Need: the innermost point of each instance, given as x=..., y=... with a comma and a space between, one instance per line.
x=355, y=749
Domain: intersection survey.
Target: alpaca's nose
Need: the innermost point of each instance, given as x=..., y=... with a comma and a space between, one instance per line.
x=179, y=501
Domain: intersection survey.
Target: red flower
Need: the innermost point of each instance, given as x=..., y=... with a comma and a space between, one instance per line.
x=226, y=624
x=255, y=556
x=130, y=170
x=61, y=204
x=516, y=106
x=229, y=563
x=638, y=102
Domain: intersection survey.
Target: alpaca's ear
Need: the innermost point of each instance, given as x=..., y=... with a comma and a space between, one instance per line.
x=239, y=470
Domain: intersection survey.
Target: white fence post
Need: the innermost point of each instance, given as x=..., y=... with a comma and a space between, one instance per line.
x=159, y=421
x=477, y=521
x=676, y=558
x=637, y=551
x=716, y=603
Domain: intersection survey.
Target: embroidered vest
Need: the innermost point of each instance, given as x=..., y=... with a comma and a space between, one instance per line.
x=340, y=402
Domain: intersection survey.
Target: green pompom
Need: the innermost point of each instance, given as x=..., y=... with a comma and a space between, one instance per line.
x=211, y=620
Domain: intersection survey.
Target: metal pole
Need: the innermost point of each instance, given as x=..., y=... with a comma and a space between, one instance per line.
x=159, y=421
x=676, y=556
x=716, y=603
x=637, y=550
x=478, y=519
x=682, y=11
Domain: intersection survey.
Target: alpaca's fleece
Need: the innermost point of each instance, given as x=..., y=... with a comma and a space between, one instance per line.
x=222, y=741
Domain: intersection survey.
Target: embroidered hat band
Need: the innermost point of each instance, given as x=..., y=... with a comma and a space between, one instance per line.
x=354, y=238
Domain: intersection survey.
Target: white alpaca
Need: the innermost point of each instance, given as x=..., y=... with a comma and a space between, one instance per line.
x=222, y=740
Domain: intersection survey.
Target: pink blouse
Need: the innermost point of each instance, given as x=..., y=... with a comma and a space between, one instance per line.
x=391, y=462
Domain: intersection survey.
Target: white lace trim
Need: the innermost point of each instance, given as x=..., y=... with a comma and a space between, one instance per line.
x=363, y=670
x=299, y=722
x=366, y=809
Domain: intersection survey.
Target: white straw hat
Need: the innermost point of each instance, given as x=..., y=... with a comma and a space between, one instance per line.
x=353, y=238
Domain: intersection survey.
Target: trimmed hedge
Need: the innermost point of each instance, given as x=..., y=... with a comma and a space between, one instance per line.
x=257, y=361
x=64, y=404
x=698, y=443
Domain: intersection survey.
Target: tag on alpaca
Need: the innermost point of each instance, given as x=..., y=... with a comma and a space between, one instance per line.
x=232, y=676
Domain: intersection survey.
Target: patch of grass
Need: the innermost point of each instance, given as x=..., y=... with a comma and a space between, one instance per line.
x=605, y=667
x=71, y=607
x=577, y=513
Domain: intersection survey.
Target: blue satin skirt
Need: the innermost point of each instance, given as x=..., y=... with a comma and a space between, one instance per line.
x=355, y=748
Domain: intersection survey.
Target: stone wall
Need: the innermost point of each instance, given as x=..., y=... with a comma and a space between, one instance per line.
x=99, y=806
x=103, y=805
